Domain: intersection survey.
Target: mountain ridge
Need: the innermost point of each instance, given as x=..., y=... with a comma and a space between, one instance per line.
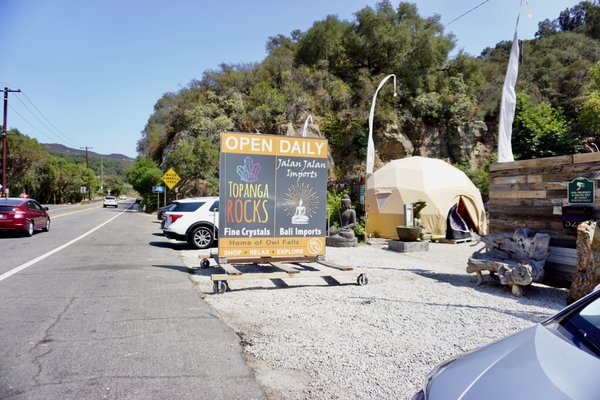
x=62, y=149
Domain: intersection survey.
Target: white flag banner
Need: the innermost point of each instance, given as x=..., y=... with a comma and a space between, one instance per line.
x=508, y=104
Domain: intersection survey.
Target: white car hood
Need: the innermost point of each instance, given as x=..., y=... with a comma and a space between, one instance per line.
x=532, y=364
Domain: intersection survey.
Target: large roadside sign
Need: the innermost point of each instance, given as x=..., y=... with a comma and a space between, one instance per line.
x=273, y=192
x=170, y=178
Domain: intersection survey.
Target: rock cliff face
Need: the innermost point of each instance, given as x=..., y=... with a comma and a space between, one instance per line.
x=468, y=143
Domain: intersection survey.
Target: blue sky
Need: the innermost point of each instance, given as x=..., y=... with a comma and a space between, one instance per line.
x=91, y=71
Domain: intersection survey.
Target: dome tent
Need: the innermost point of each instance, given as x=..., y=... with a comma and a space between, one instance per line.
x=408, y=180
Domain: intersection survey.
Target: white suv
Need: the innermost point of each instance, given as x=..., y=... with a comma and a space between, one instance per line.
x=194, y=220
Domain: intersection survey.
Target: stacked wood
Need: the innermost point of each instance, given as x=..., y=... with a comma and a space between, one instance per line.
x=517, y=258
x=587, y=275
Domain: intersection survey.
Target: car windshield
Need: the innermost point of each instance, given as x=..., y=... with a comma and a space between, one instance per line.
x=187, y=207
x=584, y=326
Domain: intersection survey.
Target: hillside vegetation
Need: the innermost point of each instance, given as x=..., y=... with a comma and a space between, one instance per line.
x=446, y=107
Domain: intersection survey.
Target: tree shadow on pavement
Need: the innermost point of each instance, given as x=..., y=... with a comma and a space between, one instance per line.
x=170, y=245
x=180, y=268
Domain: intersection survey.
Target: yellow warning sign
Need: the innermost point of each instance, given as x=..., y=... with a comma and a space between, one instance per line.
x=170, y=178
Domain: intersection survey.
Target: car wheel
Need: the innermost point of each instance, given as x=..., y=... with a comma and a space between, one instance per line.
x=201, y=237
x=29, y=230
x=104, y=205
x=47, y=227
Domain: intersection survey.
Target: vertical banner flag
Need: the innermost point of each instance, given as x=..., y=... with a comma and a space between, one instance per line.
x=508, y=103
x=273, y=196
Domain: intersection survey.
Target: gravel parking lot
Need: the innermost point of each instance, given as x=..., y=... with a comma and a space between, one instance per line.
x=328, y=338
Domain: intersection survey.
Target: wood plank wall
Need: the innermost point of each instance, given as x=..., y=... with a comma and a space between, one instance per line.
x=531, y=193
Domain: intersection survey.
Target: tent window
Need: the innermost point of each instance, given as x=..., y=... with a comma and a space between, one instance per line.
x=381, y=199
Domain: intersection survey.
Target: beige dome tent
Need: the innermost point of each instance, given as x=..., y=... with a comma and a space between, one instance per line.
x=408, y=180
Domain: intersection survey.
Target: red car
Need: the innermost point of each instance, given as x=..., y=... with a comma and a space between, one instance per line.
x=23, y=215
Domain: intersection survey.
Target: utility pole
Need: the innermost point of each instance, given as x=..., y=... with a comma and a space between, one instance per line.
x=87, y=164
x=4, y=142
x=87, y=160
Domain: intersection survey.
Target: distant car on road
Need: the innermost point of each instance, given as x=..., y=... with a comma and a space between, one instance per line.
x=23, y=215
x=194, y=220
x=110, y=201
x=558, y=358
x=122, y=197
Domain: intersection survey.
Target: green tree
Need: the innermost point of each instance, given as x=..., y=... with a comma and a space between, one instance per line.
x=143, y=174
x=196, y=162
x=539, y=130
x=25, y=157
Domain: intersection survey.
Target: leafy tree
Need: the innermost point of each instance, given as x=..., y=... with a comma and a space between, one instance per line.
x=143, y=174
x=196, y=162
x=540, y=130
x=113, y=183
x=25, y=156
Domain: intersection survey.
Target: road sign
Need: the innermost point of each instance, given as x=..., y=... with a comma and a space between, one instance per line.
x=170, y=178
x=158, y=189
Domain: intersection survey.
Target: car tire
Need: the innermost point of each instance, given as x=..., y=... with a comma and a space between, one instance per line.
x=30, y=229
x=47, y=227
x=201, y=237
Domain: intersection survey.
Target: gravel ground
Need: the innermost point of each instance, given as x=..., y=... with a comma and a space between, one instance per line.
x=316, y=338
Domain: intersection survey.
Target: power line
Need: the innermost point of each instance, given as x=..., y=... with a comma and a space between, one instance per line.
x=462, y=15
x=51, y=124
x=32, y=125
x=56, y=132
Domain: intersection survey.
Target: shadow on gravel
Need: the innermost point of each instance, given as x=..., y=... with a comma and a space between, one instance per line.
x=533, y=293
x=158, y=234
x=278, y=283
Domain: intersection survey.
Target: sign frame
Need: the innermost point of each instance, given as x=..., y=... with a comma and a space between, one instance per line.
x=272, y=196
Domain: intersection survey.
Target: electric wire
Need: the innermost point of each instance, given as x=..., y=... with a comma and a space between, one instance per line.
x=32, y=125
x=56, y=130
x=464, y=14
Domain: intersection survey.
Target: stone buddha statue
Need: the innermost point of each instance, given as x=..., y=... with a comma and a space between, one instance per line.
x=344, y=236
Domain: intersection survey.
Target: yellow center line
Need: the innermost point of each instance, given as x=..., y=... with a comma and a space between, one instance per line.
x=74, y=212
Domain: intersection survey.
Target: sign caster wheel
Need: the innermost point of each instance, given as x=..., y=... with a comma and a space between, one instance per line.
x=362, y=280
x=220, y=287
x=204, y=263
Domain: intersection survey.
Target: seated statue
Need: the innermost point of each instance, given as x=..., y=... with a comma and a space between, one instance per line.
x=299, y=216
x=344, y=236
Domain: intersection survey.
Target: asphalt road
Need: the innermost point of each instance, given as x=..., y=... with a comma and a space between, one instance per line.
x=110, y=314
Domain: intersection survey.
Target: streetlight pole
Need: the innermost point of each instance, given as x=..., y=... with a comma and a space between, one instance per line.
x=370, y=143
x=306, y=124
x=4, y=141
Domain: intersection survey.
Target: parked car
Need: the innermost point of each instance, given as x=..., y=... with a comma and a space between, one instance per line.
x=558, y=358
x=110, y=201
x=193, y=220
x=162, y=210
x=23, y=215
